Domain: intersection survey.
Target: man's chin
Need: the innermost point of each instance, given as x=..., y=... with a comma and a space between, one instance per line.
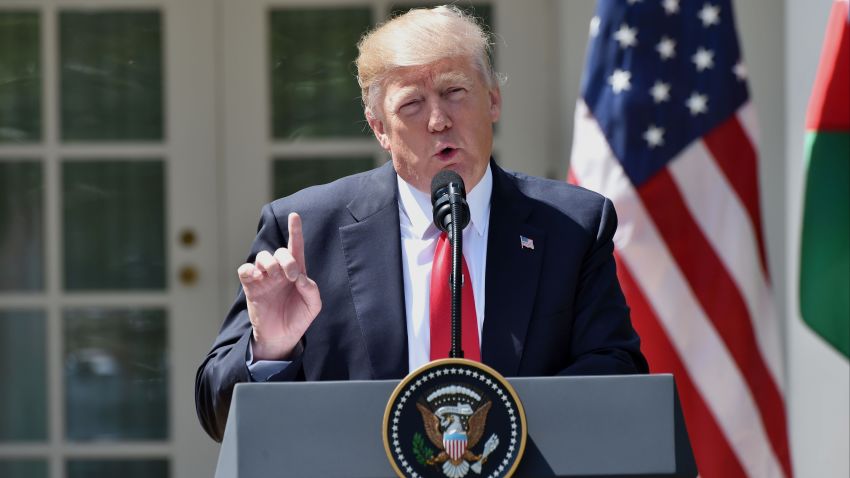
x=422, y=180
x=470, y=177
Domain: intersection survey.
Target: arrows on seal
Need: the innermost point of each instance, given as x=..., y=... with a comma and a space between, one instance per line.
x=491, y=445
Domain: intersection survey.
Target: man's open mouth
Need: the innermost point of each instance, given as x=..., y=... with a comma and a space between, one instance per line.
x=447, y=153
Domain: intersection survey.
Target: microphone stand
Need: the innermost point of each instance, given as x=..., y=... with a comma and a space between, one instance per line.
x=456, y=278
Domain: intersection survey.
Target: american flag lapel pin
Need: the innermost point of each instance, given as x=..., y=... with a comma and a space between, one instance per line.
x=526, y=243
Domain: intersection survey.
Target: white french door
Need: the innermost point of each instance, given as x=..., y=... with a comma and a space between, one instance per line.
x=108, y=236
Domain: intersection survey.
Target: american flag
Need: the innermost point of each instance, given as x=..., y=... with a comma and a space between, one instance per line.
x=666, y=129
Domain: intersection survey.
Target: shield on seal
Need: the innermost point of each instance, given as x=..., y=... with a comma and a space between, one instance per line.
x=455, y=444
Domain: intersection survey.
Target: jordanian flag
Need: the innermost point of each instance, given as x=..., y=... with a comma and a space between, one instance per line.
x=825, y=255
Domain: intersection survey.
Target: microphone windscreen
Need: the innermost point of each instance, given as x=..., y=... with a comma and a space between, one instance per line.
x=442, y=180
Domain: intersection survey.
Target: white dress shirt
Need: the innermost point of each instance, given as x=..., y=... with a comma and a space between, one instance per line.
x=419, y=240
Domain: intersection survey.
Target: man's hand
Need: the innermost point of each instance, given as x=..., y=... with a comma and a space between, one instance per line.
x=282, y=300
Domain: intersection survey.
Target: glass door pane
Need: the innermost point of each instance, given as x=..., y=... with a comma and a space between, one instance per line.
x=23, y=396
x=21, y=226
x=313, y=90
x=20, y=77
x=116, y=374
x=122, y=247
x=111, y=75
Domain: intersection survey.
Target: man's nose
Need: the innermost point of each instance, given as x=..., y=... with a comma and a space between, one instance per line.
x=439, y=119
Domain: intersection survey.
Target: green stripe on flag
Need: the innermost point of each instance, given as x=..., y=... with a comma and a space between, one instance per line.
x=825, y=256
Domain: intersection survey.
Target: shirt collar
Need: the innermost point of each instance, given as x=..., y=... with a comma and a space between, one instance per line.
x=416, y=206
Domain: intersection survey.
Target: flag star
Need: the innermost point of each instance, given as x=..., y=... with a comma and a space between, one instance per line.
x=666, y=48
x=654, y=136
x=632, y=2
x=660, y=91
x=626, y=36
x=703, y=59
x=620, y=81
x=594, y=26
x=670, y=6
x=740, y=70
x=710, y=15
x=697, y=103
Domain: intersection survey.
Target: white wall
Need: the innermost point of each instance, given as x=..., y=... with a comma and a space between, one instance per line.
x=525, y=45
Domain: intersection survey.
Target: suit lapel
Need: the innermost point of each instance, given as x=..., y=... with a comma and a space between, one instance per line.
x=372, y=249
x=512, y=275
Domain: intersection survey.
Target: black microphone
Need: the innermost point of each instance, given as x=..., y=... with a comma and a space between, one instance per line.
x=451, y=215
x=447, y=189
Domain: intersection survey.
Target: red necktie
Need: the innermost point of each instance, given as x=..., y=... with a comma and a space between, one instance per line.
x=441, y=306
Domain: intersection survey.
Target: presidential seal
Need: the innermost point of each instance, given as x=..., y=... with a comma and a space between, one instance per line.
x=454, y=418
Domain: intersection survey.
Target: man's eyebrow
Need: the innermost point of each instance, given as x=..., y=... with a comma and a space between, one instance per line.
x=402, y=93
x=452, y=78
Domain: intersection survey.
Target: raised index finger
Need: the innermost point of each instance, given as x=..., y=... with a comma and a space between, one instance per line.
x=296, y=241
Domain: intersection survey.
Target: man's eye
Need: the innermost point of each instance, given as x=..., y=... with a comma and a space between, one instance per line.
x=456, y=92
x=409, y=105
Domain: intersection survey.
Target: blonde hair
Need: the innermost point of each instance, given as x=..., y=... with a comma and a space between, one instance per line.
x=420, y=37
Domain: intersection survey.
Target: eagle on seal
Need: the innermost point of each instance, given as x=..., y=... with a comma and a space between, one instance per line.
x=446, y=426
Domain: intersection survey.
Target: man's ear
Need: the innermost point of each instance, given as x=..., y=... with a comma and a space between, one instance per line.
x=378, y=129
x=495, y=103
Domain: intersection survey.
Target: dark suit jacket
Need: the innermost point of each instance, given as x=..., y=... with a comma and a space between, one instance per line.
x=556, y=309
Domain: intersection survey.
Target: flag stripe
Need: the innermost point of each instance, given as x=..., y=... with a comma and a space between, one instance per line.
x=719, y=298
x=715, y=375
x=736, y=156
x=829, y=105
x=749, y=122
x=712, y=452
x=725, y=224
x=825, y=239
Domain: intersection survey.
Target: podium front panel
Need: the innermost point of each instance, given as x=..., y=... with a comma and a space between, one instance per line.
x=577, y=426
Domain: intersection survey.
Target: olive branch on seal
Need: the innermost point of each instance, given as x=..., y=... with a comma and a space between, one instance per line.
x=421, y=451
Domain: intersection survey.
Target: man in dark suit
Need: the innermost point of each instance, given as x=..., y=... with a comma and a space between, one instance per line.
x=344, y=295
